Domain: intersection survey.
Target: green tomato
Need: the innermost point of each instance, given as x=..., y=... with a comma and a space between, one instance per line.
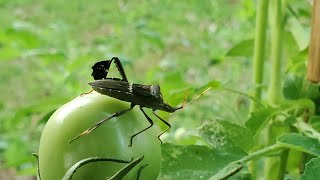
x=57, y=155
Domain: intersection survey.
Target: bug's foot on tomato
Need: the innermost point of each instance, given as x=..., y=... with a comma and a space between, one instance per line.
x=86, y=132
x=86, y=93
x=82, y=134
x=73, y=139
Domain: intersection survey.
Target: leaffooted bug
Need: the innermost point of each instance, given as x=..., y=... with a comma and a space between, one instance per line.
x=144, y=96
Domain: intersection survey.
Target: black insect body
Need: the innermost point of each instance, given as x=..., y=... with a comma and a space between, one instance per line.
x=148, y=96
x=145, y=96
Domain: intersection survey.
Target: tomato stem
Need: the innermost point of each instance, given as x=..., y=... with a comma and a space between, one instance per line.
x=258, y=61
x=275, y=166
x=276, y=17
x=259, y=50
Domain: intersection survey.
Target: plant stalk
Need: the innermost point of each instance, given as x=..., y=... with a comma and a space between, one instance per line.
x=275, y=89
x=259, y=50
x=261, y=152
x=275, y=166
x=258, y=62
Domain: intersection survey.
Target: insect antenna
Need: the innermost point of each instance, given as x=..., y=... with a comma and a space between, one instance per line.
x=185, y=103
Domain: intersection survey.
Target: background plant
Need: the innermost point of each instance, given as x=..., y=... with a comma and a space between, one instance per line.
x=48, y=47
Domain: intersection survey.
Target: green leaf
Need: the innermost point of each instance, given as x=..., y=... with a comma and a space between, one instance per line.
x=314, y=121
x=243, y=48
x=227, y=136
x=301, y=143
x=229, y=170
x=212, y=85
x=152, y=37
x=295, y=87
x=215, y=61
x=292, y=87
x=311, y=90
x=301, y=104
x=192, y=162
x=312, y=170
x=290, y=120
x=43, y=105
x=258, y=118
x=8, y=53
x=290, y=46
x=24, y=37
x=125, y=170
x=171, y=83
x=177, y=97
x=300, y=34
x=46, y=54
x=46, y=117
x=296, y=63
x=244, y=174
x=17, y=153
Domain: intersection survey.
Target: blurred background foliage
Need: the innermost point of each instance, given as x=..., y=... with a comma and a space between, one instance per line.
x=47, y=49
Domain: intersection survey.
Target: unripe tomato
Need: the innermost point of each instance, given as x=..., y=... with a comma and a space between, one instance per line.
x=57, y=155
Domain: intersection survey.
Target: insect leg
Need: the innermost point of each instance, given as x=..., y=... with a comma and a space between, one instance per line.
x=98, y=124
x=169, y=126
x=86, y=92
x=120, y=68
x=151, y=124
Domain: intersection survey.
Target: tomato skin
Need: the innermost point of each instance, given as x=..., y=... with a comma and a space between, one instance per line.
x=111, y=139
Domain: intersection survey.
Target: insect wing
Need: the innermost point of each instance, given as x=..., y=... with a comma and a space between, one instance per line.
x=142, y=90
x=114, y=84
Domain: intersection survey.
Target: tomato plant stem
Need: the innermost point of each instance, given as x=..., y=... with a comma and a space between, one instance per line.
x=275, y=166
x=275, y=93
x=275, y=90
x=258, y=61
x=235, y=166
x=259, y=50
x=261, y=152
